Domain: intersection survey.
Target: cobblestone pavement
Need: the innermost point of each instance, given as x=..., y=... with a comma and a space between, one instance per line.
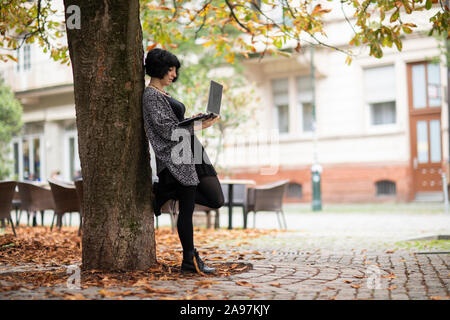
x=313, y=264
x=310, y=275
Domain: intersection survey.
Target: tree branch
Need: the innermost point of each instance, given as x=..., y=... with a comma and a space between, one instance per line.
x=346, y=18
x=176, y=9
x=235, y=18
x=204, y=18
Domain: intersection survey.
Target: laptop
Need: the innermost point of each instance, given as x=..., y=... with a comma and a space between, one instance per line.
x=213, y=109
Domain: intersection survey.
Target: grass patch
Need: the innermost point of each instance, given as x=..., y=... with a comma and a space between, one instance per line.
x=424, y=245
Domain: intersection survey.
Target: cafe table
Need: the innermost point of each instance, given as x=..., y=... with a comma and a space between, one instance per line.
x=231, y=183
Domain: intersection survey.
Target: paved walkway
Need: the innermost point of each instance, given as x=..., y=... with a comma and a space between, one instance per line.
x=330, y=255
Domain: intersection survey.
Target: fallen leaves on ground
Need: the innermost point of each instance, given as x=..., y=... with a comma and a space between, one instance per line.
x=440, y=298
x=244, y=283
x=278, y=285
x=75, y=296
x=42, y=249
x=389, y=276
x=206, y=283
x=392, y=288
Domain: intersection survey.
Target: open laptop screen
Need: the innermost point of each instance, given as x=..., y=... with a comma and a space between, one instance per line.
x=215, y=97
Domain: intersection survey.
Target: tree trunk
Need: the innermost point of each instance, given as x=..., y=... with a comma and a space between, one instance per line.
x=107, y=60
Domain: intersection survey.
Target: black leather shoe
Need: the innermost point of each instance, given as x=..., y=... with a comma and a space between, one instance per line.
x=193, y=263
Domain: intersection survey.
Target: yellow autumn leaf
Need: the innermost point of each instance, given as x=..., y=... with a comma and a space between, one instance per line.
x=76, y=296
x=348, y=281
x=245, y=284
x=108, y=294
x=278, y=285
x=203, y=282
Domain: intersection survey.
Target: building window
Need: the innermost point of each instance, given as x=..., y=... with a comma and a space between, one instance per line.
x=16, y=160
x=379, y=86
x=280, y=90
x=72, y=167
x=386, y=188
x=426, y=85
x=382, y=112
x=26, y=57
x=23, y=58
x=37, y=159
x=294, y=190
x=72, y=156
x=27, y=175
x=28, y=153
x=305, y=106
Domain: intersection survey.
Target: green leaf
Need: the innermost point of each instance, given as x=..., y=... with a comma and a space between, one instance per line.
x=398, y=43
x=395, y=16
x=428, y=4
x=348, y=60
x=407, y=6
x=406, y=29
x=277, y=43
x=382, y=14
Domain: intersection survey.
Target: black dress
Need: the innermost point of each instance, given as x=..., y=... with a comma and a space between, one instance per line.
x=202, y=169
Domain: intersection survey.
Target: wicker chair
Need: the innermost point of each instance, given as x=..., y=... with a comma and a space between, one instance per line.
x=207, y=210
x=65, y=198
x=79, y=189
x=35, y=198
x=268, y=197
x=7, y=189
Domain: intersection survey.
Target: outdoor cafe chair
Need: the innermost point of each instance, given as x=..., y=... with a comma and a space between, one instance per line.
x=268, y=197
x=207, y=210
x=65, y=199
x=34, y=198
x=171, y=207
x=7, y=189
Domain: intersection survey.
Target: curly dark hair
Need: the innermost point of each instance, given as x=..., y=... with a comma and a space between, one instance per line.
x=159, y=61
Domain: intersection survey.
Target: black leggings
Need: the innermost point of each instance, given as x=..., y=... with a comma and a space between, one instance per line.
x=207, y=193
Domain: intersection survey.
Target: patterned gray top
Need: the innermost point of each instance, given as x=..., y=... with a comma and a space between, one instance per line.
x=160, y=122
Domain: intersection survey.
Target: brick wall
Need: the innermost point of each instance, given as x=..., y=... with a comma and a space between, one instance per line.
x=342, y=183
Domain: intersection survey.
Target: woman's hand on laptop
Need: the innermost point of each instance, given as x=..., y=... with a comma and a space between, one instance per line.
x=206, y=123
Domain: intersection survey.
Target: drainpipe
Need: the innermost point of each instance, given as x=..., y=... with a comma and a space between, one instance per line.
x=316, y=168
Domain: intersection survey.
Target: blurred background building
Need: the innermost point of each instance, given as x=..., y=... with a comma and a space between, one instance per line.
x=382, y=124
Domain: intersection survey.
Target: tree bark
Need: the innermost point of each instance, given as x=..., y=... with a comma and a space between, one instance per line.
x=107, y=61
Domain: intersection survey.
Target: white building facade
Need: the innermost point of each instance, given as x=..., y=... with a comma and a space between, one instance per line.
x=48, y=141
